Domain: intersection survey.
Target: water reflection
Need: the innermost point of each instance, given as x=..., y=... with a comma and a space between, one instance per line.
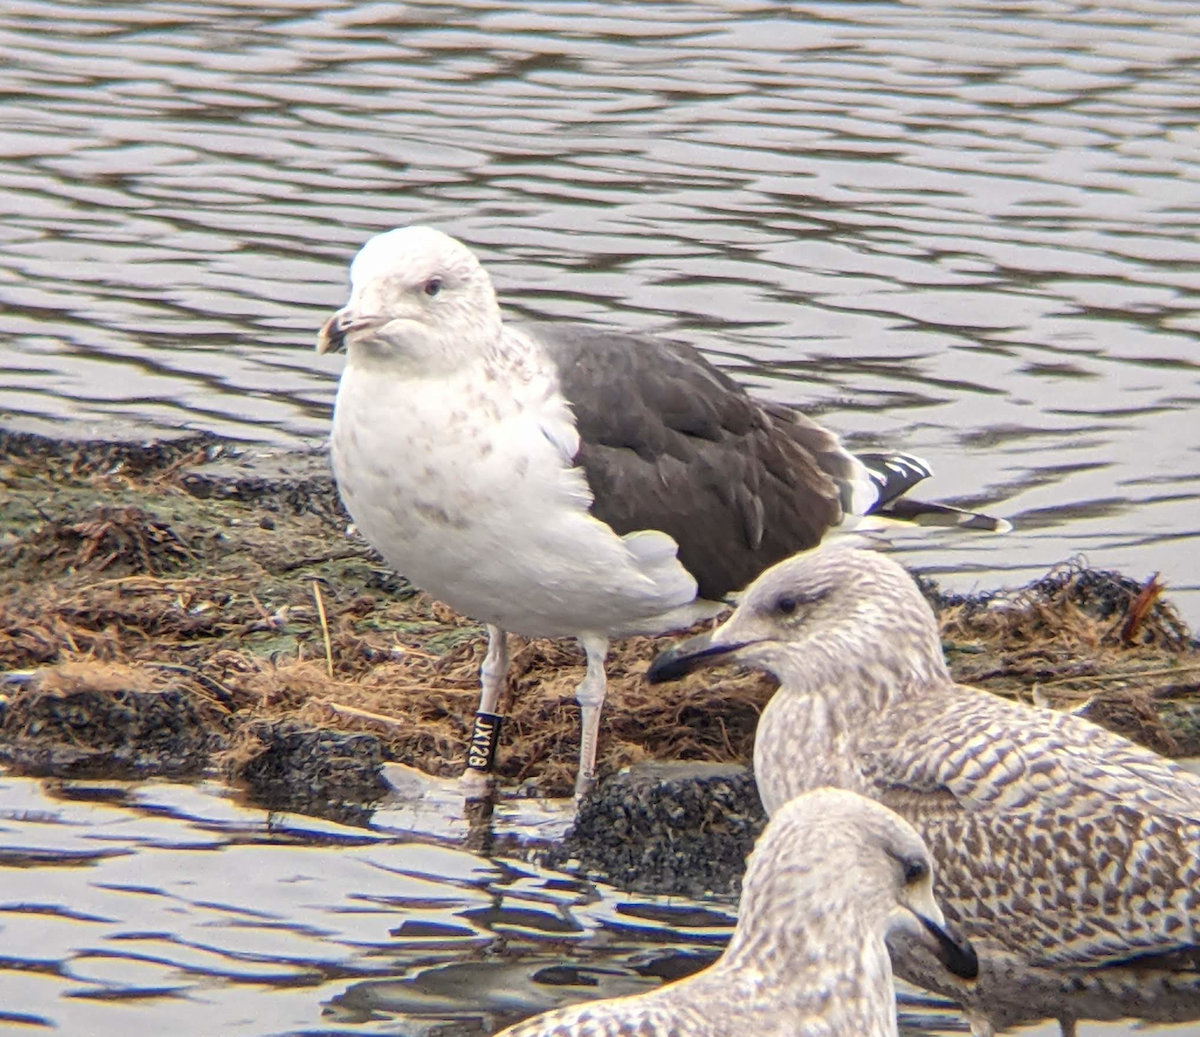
x=215, y=917
x=963, y=229
x=179, y=907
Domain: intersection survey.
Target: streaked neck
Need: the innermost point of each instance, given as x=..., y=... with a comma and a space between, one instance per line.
x=829, y=970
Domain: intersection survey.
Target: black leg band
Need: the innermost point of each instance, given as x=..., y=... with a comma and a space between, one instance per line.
x=485, y=736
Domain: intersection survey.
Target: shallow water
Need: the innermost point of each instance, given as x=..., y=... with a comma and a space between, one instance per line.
x=965, y=229
x=175, y=908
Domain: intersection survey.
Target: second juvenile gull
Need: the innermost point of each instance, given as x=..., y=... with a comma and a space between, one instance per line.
x=831, y=878
x=1069, y=855
x=565, y=480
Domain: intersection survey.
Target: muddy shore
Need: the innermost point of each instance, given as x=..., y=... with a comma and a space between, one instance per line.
x=188, y=606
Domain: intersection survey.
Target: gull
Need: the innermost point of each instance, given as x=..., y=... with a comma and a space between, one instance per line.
x=560, y=480
x=1069, y=855
x=831, y=878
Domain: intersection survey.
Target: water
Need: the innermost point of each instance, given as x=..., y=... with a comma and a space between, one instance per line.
x=175, y=906
x=180, y=908
x=172, y=904
x=965, y=229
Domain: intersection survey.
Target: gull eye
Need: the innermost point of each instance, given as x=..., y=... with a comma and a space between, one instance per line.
x=433, y=286
x=914, y=871
x=785, y=605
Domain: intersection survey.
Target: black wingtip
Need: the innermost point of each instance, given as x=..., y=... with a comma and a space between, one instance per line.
x=894, y=475
x=927, y=513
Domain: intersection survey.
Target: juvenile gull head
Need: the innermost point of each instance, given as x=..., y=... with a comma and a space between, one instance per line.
x=821, y=614
x=832, y=877
x=1069, y=855
x=838, y=862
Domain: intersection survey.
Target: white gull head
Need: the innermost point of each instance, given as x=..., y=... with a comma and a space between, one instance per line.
x=418, y=299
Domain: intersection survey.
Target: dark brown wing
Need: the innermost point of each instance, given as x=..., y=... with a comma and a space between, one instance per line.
x=668, y=442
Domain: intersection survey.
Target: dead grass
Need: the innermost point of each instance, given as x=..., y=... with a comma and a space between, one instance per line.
x=268, y=612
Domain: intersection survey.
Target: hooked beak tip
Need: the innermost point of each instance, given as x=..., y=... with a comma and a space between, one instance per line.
x=954, y=949
x=331, y=338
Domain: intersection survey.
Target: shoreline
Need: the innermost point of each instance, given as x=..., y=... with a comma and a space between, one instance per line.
x=189, y=605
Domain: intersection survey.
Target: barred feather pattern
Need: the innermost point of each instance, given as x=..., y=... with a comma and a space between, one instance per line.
x=1069, y=855
x=808, y=955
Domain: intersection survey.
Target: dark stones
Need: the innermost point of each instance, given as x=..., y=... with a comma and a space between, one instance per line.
x=288, y=765
x=70, y=728
x=682, y=828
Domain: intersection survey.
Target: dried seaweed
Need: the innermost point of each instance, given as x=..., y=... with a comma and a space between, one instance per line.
x=213, y=598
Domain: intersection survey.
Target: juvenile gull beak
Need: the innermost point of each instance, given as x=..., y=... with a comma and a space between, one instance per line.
x=692, y=654
x=952, y=948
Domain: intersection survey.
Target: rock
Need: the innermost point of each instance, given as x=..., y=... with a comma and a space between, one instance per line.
x=93, y=721
x=677, y=828
x=288, y=765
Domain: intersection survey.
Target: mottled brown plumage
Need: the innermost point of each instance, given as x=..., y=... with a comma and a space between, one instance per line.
x=833, y=875
x=1069, y=855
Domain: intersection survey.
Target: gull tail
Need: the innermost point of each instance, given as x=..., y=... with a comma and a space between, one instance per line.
x=893, y=475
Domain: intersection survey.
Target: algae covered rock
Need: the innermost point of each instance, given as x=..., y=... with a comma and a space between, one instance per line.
x=94, y=721
x=682, y=828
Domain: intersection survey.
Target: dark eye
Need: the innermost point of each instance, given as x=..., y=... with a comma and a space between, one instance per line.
x=914, y=871
x=433, y=286
x=786, y=605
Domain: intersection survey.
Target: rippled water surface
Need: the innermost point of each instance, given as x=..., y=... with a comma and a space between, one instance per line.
x=967, y=229
x=161, y=908
x=174, y=907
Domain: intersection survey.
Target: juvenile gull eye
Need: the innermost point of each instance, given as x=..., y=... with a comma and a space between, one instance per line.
x=914, y=871
x=433, y=286
x=786, y=605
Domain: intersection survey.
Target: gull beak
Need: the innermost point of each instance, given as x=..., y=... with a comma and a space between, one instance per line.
x=332, y=336
x=952, y=948
x=692, y=654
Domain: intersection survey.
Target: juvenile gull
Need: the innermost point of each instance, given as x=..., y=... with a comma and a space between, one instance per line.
x=564, y=480
x=831, y=878
x=1069, y=855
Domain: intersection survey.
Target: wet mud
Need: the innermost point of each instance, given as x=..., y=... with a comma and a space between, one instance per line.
x=188, y=606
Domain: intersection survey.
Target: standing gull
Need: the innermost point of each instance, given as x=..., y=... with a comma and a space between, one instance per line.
x=832, y=877
x=565, y=480
x=1069, y=855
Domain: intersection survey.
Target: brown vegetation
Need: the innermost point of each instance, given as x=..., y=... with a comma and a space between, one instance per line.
x=180, y=571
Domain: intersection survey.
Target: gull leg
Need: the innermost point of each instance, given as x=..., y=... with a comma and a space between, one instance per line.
x=493, y=674
x=590, y=696
x=477, y=779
